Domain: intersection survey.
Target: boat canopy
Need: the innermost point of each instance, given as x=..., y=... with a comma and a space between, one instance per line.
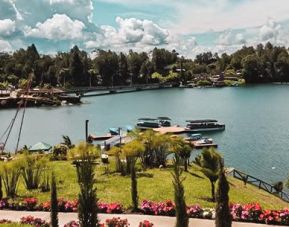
x=202, y=121
x=164, y=118
x=147, y=119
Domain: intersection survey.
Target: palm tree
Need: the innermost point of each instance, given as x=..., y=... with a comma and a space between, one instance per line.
x=183, y=150
x=67, y=141
x=208, y=162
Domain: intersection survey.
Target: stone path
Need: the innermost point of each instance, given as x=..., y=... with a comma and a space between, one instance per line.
x=134, y=220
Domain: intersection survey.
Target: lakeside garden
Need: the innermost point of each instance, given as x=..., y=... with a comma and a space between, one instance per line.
x=135, y=178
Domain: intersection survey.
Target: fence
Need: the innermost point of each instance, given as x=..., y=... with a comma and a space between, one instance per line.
x=259, y=183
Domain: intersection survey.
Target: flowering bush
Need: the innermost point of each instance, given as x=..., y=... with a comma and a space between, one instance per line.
x=146, y=223
x=110, y=208
x=115, y=222
x=37, y=222
x=72, y=224
x=30, y=203
x=245, y=213
x=162, y=208
x=195, y=211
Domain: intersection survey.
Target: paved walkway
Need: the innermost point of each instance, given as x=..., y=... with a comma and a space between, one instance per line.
x=134, y=220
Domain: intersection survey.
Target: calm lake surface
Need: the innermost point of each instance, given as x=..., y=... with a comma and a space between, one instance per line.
x=256, y=139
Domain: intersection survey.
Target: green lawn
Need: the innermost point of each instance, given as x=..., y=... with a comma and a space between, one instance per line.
x=154, y=184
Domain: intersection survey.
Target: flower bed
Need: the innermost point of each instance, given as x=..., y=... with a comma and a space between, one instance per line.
x=242, y=213
x=113, y=222
x=30, y=204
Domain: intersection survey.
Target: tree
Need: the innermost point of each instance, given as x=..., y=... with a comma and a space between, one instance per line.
x=1, y=192
x=208, y=163
x=54, y=203
x=181, y=207
x=87, y=208
x=76, y=66
x=183, y=150
x=134, y=194
x=223, y=214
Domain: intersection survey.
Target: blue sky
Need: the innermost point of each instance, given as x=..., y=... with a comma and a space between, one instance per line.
x=189, y=26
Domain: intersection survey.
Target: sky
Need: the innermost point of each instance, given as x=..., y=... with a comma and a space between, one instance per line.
x=188, y=26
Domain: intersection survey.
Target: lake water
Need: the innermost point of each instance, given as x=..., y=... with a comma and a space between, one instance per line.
x=256, y=139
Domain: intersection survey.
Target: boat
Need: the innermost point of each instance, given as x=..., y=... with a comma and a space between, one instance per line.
x=194, y=137
x=204, y=126
x=150, y=123
x=164, y=121
x=200, y=142
x=114, y=131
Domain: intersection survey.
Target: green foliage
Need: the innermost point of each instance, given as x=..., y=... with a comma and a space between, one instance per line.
x=11, y=172
x=87, y=208
x=204, y=83
x=59, y=152
x=54, y=203
x=208, y=163
x=157, y=76
x=182, y=150
x=83, y=150
x=157, y=148
x=179, y=195
x=67, y=141
x=223, y=214
x=33, y=167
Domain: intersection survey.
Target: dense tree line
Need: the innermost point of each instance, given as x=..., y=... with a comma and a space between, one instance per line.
x=75, y=68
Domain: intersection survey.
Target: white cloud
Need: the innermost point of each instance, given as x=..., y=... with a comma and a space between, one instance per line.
x=220, y=15
x=5, y=46
x=59, y=27
x=132, y=30
x=60, y=1
x=269, y=31
x=229, y=38
x=7, y=27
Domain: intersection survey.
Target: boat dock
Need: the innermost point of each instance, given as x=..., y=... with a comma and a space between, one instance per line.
x=197, y=145
x=173, y=130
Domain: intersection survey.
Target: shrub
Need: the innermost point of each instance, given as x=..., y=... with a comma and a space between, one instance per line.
x=30, y=220
x=11, y=172
x=32, y=169
x=146, y=223
x=30, y=203
x=87, y=207
x=116, y=222
x=179, y=194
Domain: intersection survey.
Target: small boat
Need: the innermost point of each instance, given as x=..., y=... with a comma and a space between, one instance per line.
x=194, y=137
x=129, y=128
x=150, y=123
x=202, y=143
x=114, y=131
x=147, y=123
x=164, y=121
x=204, y=126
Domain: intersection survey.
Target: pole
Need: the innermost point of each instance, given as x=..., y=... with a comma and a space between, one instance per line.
x=86, y=130
x=119, y=136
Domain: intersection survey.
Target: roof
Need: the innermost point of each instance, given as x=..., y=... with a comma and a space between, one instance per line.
x=164, y=118
x=147, y=119
x=40, y=146
x=201, y=121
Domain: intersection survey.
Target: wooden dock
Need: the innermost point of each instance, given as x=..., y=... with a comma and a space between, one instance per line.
x=100, y=138
x=172, y=130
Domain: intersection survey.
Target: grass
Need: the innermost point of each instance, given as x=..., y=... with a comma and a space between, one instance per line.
x=153, y=184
